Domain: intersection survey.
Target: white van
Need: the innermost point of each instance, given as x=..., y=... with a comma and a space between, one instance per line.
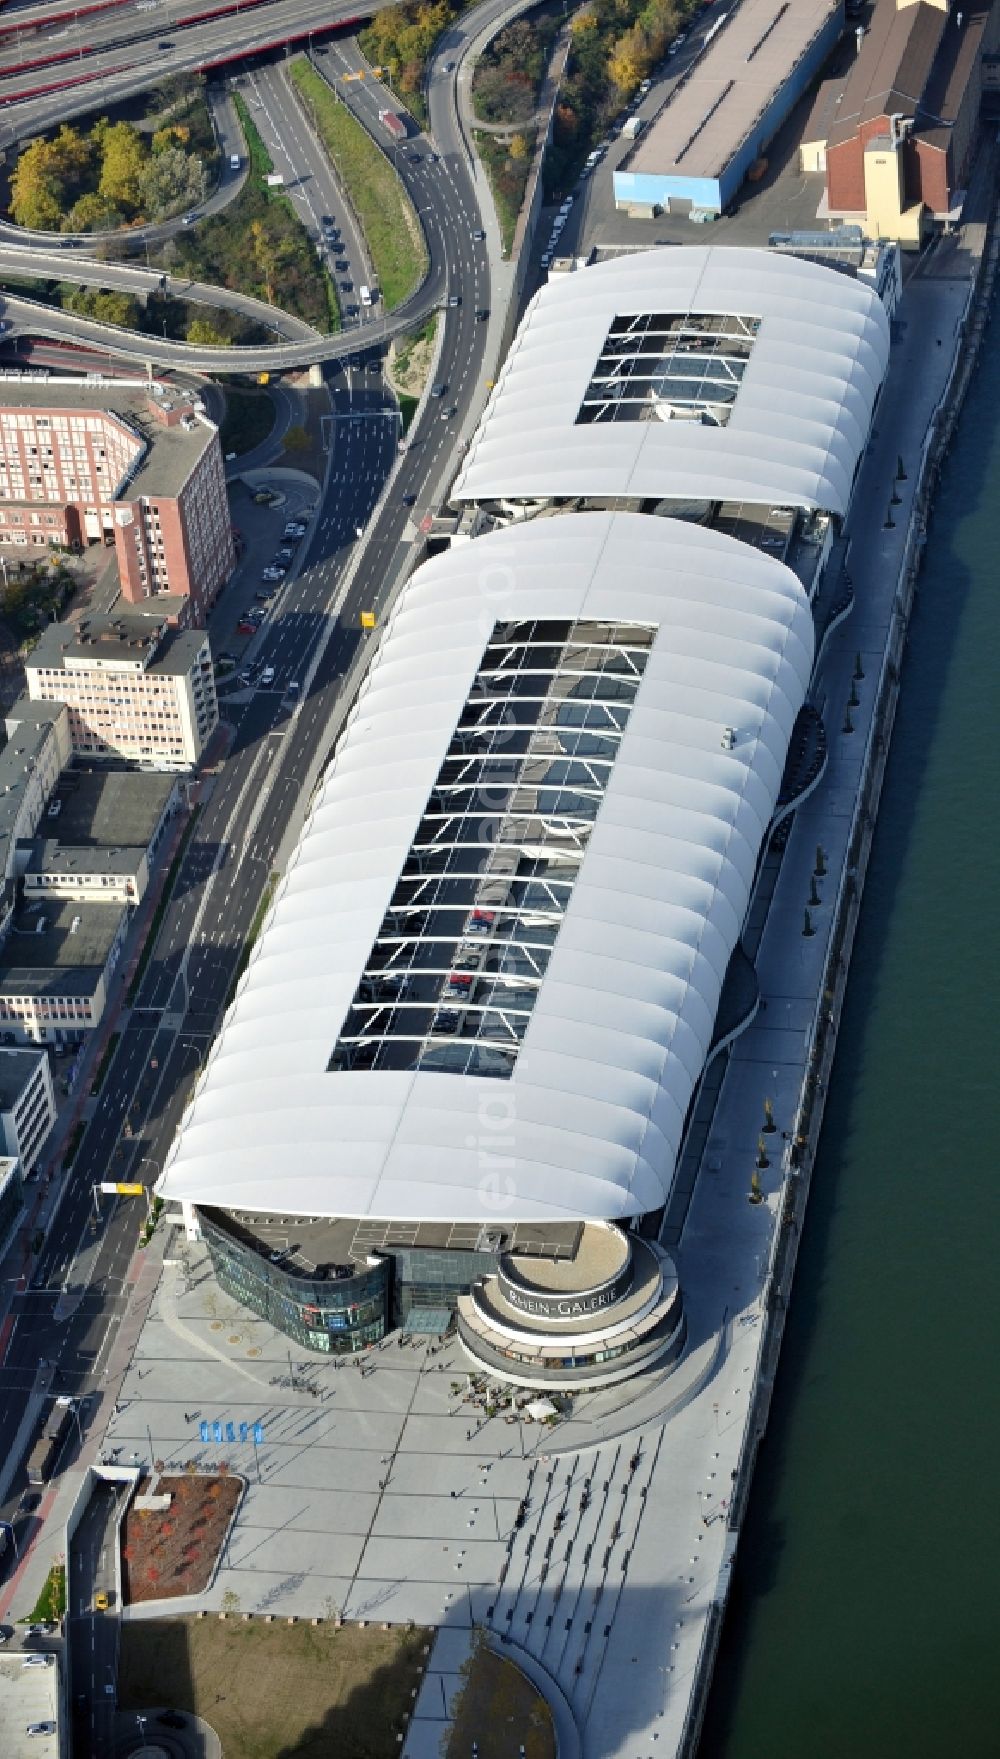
x=365, y=295
x=235, y=161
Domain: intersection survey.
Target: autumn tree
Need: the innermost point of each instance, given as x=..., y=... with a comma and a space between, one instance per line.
x=123, y=161
x=174, y=134
x=519, y=147
x=35, y=188
x=46, y=178
x=628, y=63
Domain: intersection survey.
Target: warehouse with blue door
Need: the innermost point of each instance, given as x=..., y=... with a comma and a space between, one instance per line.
x=723, y=114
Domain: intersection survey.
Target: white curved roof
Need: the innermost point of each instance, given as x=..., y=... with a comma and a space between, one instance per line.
x=802, y=415
x=589, y=1123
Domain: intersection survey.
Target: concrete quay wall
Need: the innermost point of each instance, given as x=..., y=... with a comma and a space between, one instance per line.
x=799, y=1160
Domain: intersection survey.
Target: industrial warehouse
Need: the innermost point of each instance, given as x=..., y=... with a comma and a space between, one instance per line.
x=757, y=63
x=458, y=1073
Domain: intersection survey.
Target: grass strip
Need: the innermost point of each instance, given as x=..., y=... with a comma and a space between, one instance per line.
x=408, y=407
x=252, y=933
x=154, y=928
x=73, y=1145
x=508, y=179
x=105, y=1062
x=385, y=212
x=51, y=1603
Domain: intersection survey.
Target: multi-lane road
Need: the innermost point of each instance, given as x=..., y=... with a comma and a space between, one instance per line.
x=94, y=1634
x=70, y=1313
x=113, y=54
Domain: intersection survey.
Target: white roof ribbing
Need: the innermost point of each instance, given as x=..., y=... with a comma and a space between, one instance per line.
x=802, y=414
x=589, y=1123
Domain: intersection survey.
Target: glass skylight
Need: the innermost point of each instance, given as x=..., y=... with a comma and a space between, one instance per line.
x=453, y=975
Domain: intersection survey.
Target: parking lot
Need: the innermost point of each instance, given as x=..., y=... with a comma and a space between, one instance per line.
x=249, y=600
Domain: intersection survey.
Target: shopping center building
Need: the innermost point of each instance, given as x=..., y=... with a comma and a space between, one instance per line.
x=459, y=1070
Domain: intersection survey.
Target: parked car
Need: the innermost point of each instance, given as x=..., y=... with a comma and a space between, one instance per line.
x=286, y=553
x=41, y=1728
x=101, y=1600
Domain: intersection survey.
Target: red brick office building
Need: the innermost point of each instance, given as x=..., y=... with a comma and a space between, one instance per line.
x=136, y=466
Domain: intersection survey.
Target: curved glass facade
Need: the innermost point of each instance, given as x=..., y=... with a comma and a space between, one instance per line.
x=333, y=1316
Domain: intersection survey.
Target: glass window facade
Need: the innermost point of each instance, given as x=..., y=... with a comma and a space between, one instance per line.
x=11, y=1203
x=337, y=1316
x=435, y=1279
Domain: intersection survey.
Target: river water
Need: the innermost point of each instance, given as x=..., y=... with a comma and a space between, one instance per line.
x=864, y=1617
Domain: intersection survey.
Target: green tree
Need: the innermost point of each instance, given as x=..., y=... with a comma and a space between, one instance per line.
x=172, y=180
x=200, y=330
x=105, y=304
x=91, y=213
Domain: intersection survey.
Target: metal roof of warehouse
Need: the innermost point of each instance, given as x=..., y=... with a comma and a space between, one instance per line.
x=731, y=85
x=799, y=421
x=589, y=1122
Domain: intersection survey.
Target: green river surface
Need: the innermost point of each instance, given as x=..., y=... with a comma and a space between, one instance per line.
x=864, y=1621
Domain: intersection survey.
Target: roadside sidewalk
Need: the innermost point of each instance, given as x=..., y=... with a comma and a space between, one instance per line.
x=44, y=1197
x=47, y=1546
